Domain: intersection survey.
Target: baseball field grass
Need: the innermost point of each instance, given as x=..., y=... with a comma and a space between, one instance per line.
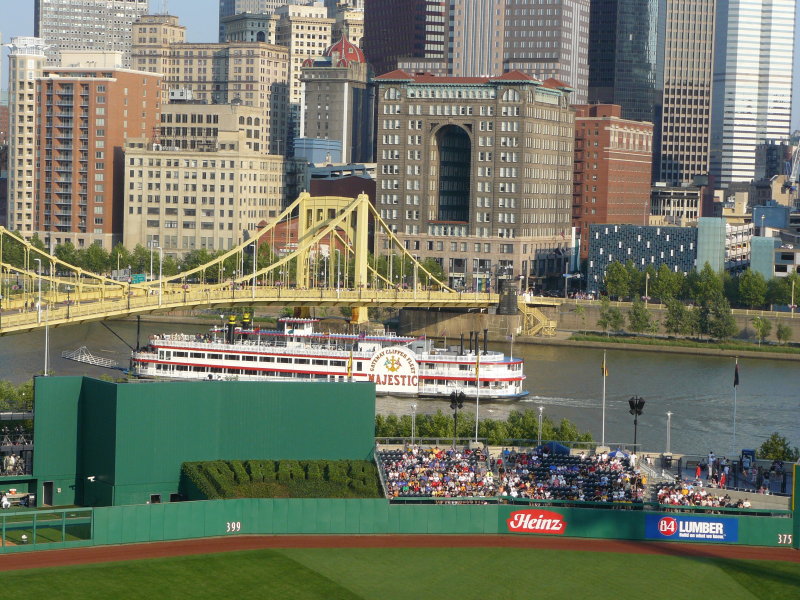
x=418, y=573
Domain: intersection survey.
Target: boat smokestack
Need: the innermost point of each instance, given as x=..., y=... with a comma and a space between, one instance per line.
x=231, y=328
x=462, y=344
x=485, y=340
x=470, y=340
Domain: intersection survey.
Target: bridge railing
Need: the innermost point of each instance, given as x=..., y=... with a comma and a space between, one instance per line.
x=176, y=297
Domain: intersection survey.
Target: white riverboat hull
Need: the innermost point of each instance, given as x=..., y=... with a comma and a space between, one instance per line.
x=397, y=366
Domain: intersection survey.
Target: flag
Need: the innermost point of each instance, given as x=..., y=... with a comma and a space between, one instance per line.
x=477, y=366
x=603, y=367
x=350, y=365
x=736, y=374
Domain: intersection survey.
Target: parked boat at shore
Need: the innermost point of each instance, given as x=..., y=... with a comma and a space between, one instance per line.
x=398, y=365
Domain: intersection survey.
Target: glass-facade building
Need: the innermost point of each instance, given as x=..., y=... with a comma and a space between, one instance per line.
x=626, y=56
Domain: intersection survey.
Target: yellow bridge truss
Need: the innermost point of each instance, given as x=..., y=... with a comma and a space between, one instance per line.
x=38, y=289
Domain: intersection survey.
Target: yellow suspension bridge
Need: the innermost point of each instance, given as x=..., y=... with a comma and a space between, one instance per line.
x=37, y=289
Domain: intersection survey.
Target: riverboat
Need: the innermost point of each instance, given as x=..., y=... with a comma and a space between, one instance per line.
x=398, y=365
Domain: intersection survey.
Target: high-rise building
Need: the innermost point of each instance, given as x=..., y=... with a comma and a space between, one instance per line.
x=87, y=25
x=752, y=98
x=202, y=186
x=306, y=32
x=684, y=133
x=626, y=56
x=84, y=118
x=250, y=73
x=476, y=172
x=613, y=161
x=407, y=34
x=348, y=22
x=228, y=8
x=26, y=60
x=556, y=46
x=339, y=100
x=654, y=58
x=477, y=37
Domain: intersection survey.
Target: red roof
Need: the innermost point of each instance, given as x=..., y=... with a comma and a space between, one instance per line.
x=346, y=51
x=514, y=76
x=555, y=84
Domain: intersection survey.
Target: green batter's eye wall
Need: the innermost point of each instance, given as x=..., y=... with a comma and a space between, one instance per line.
x=103, y=443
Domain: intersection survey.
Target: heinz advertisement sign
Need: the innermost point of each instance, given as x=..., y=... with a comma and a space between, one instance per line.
x=680, y=528
x=536, y=521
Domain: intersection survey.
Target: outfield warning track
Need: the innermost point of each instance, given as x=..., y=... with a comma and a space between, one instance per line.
x=103, y=554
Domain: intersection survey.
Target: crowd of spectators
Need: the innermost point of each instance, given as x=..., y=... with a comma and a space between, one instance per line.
x=436, y=473
x=414, y=472
x=538, y=475
x=694, y=494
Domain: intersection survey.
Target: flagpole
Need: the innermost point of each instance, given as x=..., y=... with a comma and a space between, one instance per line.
x=735, y=385
x=603, y=437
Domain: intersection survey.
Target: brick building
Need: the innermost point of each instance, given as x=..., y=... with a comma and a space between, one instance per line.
x=613, y=163
x=476, y=173
x=85, y=117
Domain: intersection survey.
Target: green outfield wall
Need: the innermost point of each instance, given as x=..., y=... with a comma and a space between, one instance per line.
x=214, y=518
x=100, y=443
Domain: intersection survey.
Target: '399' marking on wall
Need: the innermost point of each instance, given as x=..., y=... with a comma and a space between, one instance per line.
x=233, y=526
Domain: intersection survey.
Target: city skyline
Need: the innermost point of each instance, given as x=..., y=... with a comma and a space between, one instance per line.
x=201, y=18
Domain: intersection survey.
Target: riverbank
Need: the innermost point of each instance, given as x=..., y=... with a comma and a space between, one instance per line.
x=564, y=338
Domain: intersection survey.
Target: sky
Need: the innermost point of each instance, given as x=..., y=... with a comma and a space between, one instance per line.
x=201, y=20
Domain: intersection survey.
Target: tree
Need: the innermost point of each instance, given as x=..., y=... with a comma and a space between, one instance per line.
x=67, y=252
x=617, y=280
x=434, y=268
x=666, y=284
x=779, y=291
x=783, y=332
x=119, y=257
x=639, y=318
x=95, y=259
x=777, y=447
x=580, y=312
x=604, y=320
x=720, y=322
x=763, y=328
x=635, y=280
x=752, y=288
x=676, y=318
x=708, y=286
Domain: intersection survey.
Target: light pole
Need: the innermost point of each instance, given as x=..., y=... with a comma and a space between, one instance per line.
x=646, y=283
x=151, y=245
x=413, y=422
x=669, y=431
x=792, y=305
x=456, y=403
x=160, y=271
x=762, y=225
x=38, y=262
x=255, y=262
x=541, y=411
x=637, y=406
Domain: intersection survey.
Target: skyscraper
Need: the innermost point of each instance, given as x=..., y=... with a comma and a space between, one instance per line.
x=407, y=34
x=26, y=61
x=683, y=135
x=626, y=56
x=548, y=38
x=752, y=97
x=87, y=25
x=477, y=37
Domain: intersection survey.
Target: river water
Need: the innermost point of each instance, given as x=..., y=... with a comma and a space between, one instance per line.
x=567, y=382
